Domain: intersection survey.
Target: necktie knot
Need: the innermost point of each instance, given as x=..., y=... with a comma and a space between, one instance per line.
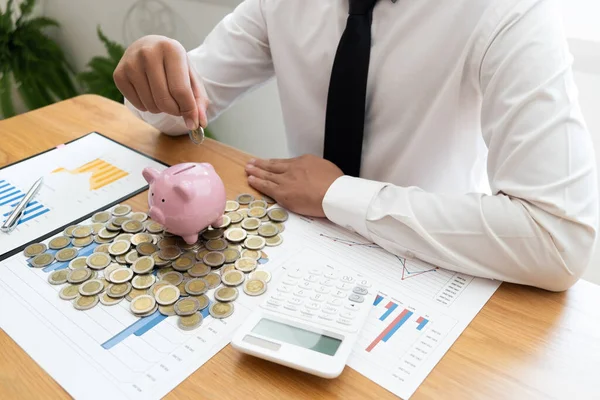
x=361, y=7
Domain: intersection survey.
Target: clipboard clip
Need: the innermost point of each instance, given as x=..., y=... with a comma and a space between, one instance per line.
x=12, y=221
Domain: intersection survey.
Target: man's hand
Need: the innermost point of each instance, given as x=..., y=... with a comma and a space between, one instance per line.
x=155, y=75
x=297, y=184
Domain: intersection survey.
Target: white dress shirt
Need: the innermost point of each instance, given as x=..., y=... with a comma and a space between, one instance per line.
x=458, y=91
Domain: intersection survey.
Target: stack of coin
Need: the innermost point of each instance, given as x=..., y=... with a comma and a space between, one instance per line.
x=137, y=260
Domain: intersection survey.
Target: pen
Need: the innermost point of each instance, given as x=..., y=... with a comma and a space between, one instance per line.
x=13, y=218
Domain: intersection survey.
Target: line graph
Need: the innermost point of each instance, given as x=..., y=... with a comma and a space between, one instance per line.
x=407, y=273
x=350, y=243
x=102, y=173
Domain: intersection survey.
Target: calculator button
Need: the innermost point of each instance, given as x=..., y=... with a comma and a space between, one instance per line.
x=290, y=281
x=340, y=293
x=344, y=286
x=330, y=275
x=347, y=315
x=315, y=271
x=311, y=278
x=307, y=313
x=273, y=303
x=290, y=307
x=327, y=282
x=318, y=297
x=360, y=290
x=306, y=285
x=335, y=302
x=301, y=293
x=344, y=321
x=356, y=298
x=296, y=301
x=330, y=310
x=322, y=290
x=277, y=297
x=326, y=317
x=313, y=305
x=296, y=273
x=284, y=289
x=347, y=278
x=352, y=306
x=364, y=283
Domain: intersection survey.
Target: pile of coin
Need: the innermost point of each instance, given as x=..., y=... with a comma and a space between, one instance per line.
x=137, y=260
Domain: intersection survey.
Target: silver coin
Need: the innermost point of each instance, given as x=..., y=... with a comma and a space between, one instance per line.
x=197, y=135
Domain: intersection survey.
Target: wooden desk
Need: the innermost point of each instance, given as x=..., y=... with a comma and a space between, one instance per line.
x=525, y=343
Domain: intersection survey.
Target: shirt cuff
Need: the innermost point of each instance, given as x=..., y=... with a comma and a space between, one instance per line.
x=347, y=202
x=167, y=124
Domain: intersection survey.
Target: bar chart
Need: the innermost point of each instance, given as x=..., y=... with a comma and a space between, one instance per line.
x=10, y=196
x=102, y=173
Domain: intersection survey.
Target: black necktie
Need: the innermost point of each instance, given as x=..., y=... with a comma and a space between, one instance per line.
x=345, y=119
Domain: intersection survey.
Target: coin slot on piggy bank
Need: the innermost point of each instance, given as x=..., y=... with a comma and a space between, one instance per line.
x=186, y=198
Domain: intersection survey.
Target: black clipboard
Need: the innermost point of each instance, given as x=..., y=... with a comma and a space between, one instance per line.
x=48, y=235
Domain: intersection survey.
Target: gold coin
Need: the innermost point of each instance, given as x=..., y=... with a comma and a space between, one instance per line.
x=146, y=248
x=199, y=270
x=66, y=254
x=236, y=235
x=265, y=219
x=141, y=238
x=257, y=204
x=278, y=214
x=190, y=322
x=121, y=275
x=231, y=205
x=58, y=277
x=197, y=135
x=268, y=200
x=213, y=279
x=82, y=231
x=203, y=300
x=69, y=230
x=110, y=226
x=233, y=278
x=226, y=294
x=246, y=264
x=174, y=278
x=91, y=287
x=143, y=281
x=251, y=224
x=109, y=270
x=154, y=227
x=139, y=216
x=220, y=310
x=121, y=210
x=255, y=242
x=132, y=256
x=253, y=254
x=142, y=304
x=169, y=252
x=143, y=265
x=109, y=301
x=231, y=255
x=135, y=293
x=59, y=242
x=183, y=263
x=119, y=289
x=167, y=310
x=167, y=242
x=98, y=260
x=196, y=286
x=245, y=198
x=216, y=245
x=257, y=212
x=181, y=287
x=105, y=283
x=214, y=259
x=225, y=221
x=200, y=255
x=97, y=227
x=79, y=275
x=255, y=287
x=82, y=242
x=34, y=249
x=119, y=221
x=157, y=286
x=69, y=292
x=119, y=248
x=212, y=234
x=280, y=226
x=106, y=234
x=187, y=306
x=158, y=261
x=267, y=230
x=85, y=302
x=101, y=241
x=274, y=241
x=262, y=275
x=243, y=212
x=42, y=260
x=167, y=295
x=161, y=272
x=101, y=217
x=124, y=236
x=226, y=268
x=235, y=217
x=132, y=226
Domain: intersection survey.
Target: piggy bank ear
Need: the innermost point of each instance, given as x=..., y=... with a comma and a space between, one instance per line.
x=150, y=174
x=184, y=190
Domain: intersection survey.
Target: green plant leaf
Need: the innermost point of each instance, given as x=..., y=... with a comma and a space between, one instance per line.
x=6, y=103
x=26, y=10
x=114, y=49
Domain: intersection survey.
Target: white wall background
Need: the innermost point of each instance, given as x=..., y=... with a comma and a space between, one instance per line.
x=254, y=124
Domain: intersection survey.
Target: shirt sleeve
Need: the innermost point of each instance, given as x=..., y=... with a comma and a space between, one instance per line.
x=538, y=226
x=233, y=59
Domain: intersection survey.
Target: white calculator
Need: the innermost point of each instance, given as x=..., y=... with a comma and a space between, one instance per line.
x=309, y=321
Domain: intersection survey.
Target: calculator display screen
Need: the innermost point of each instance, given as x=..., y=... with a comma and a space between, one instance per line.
x=297, y=336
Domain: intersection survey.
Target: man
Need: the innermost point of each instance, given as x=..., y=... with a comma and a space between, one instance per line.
x=395, y=110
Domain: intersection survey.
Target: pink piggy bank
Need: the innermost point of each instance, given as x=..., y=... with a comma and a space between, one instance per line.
x=186, y=198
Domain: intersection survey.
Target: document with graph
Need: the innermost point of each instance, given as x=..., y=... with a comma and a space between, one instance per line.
x=80, y=177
